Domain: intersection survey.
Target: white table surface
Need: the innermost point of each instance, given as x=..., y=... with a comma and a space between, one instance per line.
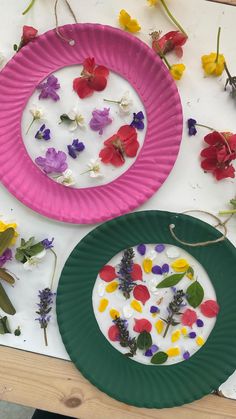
x=187, y=187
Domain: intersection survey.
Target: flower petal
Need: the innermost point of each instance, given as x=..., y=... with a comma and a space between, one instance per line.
x=81, y=87
x=97, y=83
x=100, y=70
x=107, y=273
x=142, y=325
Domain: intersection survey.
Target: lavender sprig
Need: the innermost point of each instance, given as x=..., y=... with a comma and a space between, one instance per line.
x=125, y=339
x=45, y=306
x=174, y=309
x=124, y=274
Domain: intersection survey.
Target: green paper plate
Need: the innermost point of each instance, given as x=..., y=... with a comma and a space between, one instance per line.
x=105, y=367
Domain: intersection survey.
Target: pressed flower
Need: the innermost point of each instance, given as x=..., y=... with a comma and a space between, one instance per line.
x=138, y=120
x=136, y=306
x=141, y=248
x=123, y=143
x=93, y=78
x=28, y=34
x=53, y=162
x=127, y=23
x=141, y=293
x=37, y=114
x=94, y=168
x=44, y=307
x=74, y=119
x=199, y=323
x=159, y=325
x=43, y=133
x=114, y=313
x=154, y=309
x=175, y=336
x=48, y=244
x=220, y=154
x=5, y=226
x=173, y=351
x=214, y=63
x=103, y=305
x=34, y=261
x=75, y=148
x=5, y=257
x=142, y=325
x=136, y=273
x=200, y=341
x=160, y=270
x=112, y=286
x=107, y=273
x=48, y=88
x=180, y=265
x=192, y=335
x=192, y=126
x=177, y=70
x=210, y=308
x=114, y=333
x=147, y=265
x=160, y=248
x=125, y=103
x=188, y=317
x=100, y=119
x=171, y=41
x=186, y=355
x=66, y=178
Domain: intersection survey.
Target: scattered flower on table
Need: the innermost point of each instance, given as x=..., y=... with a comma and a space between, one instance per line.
x=93, y=78
x=192, y=126
x=37, y=113
x=66, y=178
x=4, y=226
x=168, y=12
x=138, y=120
x=5, y=257
x=127, y=23
x=74, y=119
x=100, y=119
x=48, y=88
x=177, y=70
x=48, y=244
x=46, y=297
x=214, y=63
x=33, y=261
x=28, y=34
x=94, y=168
x=171, y=41
x=125, y=103
x=75, y=148
x=123, y=143
x=53, y=162
x=43, y=133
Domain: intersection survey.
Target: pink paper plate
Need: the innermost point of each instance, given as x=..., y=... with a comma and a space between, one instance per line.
x=131, y=59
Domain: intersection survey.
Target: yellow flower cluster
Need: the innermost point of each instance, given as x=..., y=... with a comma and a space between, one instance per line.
x=127, y=23
x=177, y=70
x=213, y=65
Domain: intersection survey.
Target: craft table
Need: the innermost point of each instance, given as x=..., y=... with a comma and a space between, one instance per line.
x=53, y=384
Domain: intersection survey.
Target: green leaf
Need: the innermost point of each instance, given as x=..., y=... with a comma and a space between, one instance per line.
x=6, y=276
x=6, y=238
x=4, y=326
x=159, y=358
x=5, y=303
x=34, y=250
x=19, y=255
x=65, y=118
x=195, y=294
x=144, y=340
x=26, y=244
x=171, y=280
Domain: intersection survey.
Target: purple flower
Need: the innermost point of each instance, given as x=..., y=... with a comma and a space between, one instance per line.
x=7, y=255
x=186, y=355
x=44, y=308
x=154, y=309
x=100, y=120
x=199, y=323
x=53, y=162
x=148, y=352
x=141, y=248
x=192, y=335
x=43, y=133
x=138, y=120
x=160, y=270
x=159, y=248
x=154, y=348
x=47, y=243
x=48, y=88
x=75, y=147
x=191, y=126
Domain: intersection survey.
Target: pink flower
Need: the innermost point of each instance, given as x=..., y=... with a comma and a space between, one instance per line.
x=100, y=120
x=173, y=40
x=53, y=162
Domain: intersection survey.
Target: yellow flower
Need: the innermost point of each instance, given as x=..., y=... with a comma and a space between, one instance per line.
x=112, y=286
x=173, y=351
x=4, y=227
x=103, y=305
x=136, y=306
x=211, y=66
x=114, y=313
x=152, y=2
x=177, y=70
x=159, y=326
x=128, y=23
x=147, y=265
x=180, y=265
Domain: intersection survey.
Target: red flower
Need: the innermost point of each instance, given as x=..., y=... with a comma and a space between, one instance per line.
x=173, y=40
x=124, y=142
x=93, y=78
x=219, y=155
x=142, y=325
x=29, y=33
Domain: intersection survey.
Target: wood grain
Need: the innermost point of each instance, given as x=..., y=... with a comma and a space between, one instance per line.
x=56, y=385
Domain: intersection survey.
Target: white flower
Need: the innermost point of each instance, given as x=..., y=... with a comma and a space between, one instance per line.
x=2, y=60
x=128, y=311
x=95, y=168
x=101, y=289
x=34, y=261
x=76, y=118
x=37, y=113
x=66, y=178
x=125, y=103
x=172, y=252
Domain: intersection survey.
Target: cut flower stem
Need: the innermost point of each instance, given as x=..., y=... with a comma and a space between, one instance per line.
x=29, y=7
x=218, y=45
x=172, y=17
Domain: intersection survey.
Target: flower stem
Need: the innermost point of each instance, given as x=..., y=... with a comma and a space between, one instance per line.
x=29, y=7
x=111, y=101
x=54, y=268
x=45, y=336
x=205, y=126
x=30, y=125
x=227, y=212
x=172, y=17
x=218, y=45
x=168, y=325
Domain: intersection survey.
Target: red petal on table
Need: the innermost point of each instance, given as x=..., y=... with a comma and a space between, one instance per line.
x=97, y=83
x=210, y=308
x=81, y=87
x=101, y=71
x=142, y=325
x=137, y=274
x=141, y=293
x=89, y=65
x=126, y=131
x=113, y=333
x=224, y=172
x=106, y=154
x=189, y=317
x=107, y=273
x=131, y=147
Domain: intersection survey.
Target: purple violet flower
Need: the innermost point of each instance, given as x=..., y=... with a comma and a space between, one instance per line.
x=44, y=308
x=138, y=120
x=100, y=119
x=75, y=147
x=148, y=352
x=48, y=88
x=7, y=255
x=186, y=355
x=53, y=162
x=154, y=309
x=199, y=322
x=191, y=126
x=141, y=248
x=47, y=244
x=192, y=335
x=43, y=133
x=159, y=248
x=160, y=270
x=154, y=348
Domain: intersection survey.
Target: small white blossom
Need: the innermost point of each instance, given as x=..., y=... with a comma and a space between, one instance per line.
x=66, y=178
x=128, y=311
x=34, y=261
x=77, y=119
x=125, y=103
x=172, y=252
x=101, y=289
x=95, y=168
x=37, y=113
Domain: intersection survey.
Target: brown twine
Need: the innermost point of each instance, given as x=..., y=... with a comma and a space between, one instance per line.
x=70, y=41
x=206, y=243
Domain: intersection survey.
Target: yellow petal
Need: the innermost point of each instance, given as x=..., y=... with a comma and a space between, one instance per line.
x=127, y=23
x=211, y=66
x=180, y=265
x=147, y=265
x=112, y=286
x=103, y=305
x=4, y=226
x=184, y=331
x=173, y=351
x=177, y=71
x=159, y=326
x=175, y=336
x=114, y=313
x=136, y=306
x=200, y=341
